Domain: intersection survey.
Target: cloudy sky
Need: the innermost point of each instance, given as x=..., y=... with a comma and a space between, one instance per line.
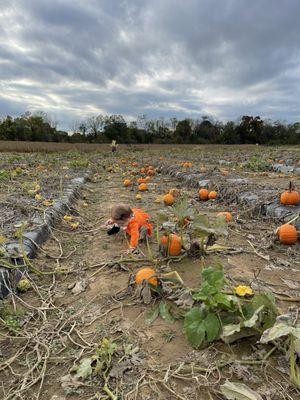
x=183, y=58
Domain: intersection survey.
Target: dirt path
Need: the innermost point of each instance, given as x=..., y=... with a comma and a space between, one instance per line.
x=144, y=361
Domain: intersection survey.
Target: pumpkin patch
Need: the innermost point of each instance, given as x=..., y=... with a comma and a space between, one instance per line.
x=193, y=305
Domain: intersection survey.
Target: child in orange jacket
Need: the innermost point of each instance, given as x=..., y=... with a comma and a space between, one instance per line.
x=133, y=221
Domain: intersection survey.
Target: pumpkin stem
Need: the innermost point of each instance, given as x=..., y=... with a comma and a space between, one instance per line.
x=291, y=186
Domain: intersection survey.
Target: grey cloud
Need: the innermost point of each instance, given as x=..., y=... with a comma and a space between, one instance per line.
x=159, y=57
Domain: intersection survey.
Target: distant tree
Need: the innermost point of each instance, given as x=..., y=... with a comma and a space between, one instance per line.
x=94, y=128
x=183, y=131
x=115, y=128
x=205, y=131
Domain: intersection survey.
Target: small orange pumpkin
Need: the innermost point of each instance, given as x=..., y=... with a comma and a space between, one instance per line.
x=171, y=243
x=127, y=182
x=226, y=214
x=141, y=180
x=134, y=164
x=143, y=187
x=203, y=194
x=168, y=199
x=146, y=274
x=290, y=197
x=287, y=234
x=212, y=195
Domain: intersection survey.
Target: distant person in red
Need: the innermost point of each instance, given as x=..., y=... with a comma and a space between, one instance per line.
x=134, y=221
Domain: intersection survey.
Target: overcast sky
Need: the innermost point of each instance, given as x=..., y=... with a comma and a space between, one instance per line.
x=162, y=58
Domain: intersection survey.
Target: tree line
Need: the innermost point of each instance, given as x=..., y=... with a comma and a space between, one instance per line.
x=105, y=128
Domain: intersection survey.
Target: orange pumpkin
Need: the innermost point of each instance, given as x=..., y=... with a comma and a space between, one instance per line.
x=203, y=194
x=143, y=170
x=168, y=199
x=143, y=187
x=150, y=172
x=141, y=180
x=135, y=164
x=226, y=214
x=290, y=197
x=212, y=195
x=174, y=192
x=171, y=243
x=287, y=234
x=146, y=274
x=127, y=182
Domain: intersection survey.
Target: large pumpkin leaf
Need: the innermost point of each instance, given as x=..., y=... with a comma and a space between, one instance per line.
x=231, y=329
x=199, y=328
x=280, y=329
x=220, y=226
x=239, y=391
x=193, y=327
x=212, y=327
x=181, y=209
x=249, y=323
x=270, y=310
x=200, y=225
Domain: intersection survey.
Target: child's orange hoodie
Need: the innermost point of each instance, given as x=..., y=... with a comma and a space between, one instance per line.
x=139, y=220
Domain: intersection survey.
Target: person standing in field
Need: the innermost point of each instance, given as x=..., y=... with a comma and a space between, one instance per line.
x=114, y=146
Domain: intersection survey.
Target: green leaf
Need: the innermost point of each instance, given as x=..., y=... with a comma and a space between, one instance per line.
x=220, y=226
x=151, y=316
x=212, y=327
x=84, y=369
x=214, y=277
x=200, y=225
x=164, y=311
x=270, y=310
x=252, y=321
x=224, y=299
x=230, y=329
x=181, y=209
x=278, y=330
x=238, y=391
x=193, y=327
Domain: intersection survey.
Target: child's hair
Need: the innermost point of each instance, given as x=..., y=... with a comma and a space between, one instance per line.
x=121, y=212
